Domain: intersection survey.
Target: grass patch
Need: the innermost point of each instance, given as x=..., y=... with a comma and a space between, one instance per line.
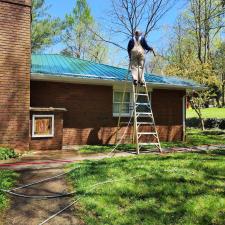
x=105, y=148
x=195, y=137
x=95, y=148
x=218, y=113
x=168, y=189
x=7, y=153
x=7, y=180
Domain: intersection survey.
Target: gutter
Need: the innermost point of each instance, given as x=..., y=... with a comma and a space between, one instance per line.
x=102, y=81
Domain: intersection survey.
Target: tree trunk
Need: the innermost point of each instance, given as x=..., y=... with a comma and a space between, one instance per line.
x=223, y=94
x=202, y=123
x=198, y=111
x=218, y=101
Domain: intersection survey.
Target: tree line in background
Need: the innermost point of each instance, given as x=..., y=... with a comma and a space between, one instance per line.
x=196, y=48
x=72, y=31
x=197, y=51
x=83, y=37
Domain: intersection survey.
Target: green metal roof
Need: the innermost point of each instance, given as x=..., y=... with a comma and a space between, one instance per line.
x=58, y=65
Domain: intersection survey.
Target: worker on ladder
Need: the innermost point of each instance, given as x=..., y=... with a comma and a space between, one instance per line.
x=136, y=50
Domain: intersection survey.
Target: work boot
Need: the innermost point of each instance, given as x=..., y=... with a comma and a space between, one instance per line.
x=135, y=82
x=142, y=83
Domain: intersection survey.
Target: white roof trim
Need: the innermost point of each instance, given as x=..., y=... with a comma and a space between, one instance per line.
x=110, y=82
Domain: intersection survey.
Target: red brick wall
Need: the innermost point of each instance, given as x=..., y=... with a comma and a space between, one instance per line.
x=14, y=73
x=167, y=108
x=49, y=143
x=89, y=116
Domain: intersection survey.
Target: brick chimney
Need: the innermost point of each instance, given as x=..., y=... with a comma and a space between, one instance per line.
x=15, y=56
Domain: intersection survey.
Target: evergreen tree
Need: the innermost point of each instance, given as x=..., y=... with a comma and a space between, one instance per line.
x=44, y=28
x=79, y=40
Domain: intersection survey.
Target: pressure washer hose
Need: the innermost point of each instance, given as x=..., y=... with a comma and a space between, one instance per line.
x=41, y=181
x=89, y=190
x=39, y=197
x=114, y=149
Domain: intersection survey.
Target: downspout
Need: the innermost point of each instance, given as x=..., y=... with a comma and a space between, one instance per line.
x=184, y=102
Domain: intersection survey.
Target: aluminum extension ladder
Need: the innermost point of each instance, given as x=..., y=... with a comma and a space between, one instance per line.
x=144, y=118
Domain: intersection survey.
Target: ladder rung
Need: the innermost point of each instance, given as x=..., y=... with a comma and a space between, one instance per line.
x=148, y=143
x=138, y=94
x=139, y=103
x=143, y=113
x=145, y=123
x=147, y=133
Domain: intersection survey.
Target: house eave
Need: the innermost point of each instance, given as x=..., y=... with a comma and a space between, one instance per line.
x=108, y=82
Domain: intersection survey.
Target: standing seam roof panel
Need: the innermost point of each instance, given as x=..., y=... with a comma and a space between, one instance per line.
x=73, y=67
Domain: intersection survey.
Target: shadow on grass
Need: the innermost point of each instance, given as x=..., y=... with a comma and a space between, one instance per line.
x=215, y=152
x=194, y=138
x=213, y=132
x=174, y=189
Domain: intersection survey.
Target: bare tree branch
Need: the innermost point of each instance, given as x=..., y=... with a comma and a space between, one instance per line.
x=142, y=14
x=101, y=38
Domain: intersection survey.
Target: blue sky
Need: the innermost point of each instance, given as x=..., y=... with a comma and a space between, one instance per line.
x=99, y=9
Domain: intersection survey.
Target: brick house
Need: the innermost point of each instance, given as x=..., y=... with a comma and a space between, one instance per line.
x=85, y=96
x=56, y=100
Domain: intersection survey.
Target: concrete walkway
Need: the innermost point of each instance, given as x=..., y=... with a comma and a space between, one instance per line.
x=54, y=159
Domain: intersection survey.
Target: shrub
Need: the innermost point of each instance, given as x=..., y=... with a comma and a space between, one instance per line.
x=222, y=124
x=212, y=123
x=209, y=123
x=7, y=153
x=193, y=122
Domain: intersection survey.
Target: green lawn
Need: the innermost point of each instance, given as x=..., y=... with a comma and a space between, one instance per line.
x=195, y=137
x=208, y=113
x=7, y=180
x=185, y=188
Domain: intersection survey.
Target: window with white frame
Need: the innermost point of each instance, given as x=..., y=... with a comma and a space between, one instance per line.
x=118, y=107
x=126, y=108
x=42, y=126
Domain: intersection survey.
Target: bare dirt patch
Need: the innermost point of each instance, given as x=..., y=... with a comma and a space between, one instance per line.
x=33, y=212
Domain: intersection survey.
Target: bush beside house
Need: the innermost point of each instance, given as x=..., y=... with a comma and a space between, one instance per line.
x=7, y=153
x=209, y=123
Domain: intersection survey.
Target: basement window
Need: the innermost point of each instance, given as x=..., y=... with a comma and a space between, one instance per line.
x=42, y=126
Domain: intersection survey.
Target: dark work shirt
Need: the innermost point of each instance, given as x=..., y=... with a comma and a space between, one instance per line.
x=143, y=42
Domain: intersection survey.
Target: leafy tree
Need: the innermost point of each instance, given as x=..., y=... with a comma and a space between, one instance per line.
x=98, y=51
x=219, y=66
x=202, y=74
x=193, y=52
x=44, y=28
x=205, y=19
x=80, y=41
